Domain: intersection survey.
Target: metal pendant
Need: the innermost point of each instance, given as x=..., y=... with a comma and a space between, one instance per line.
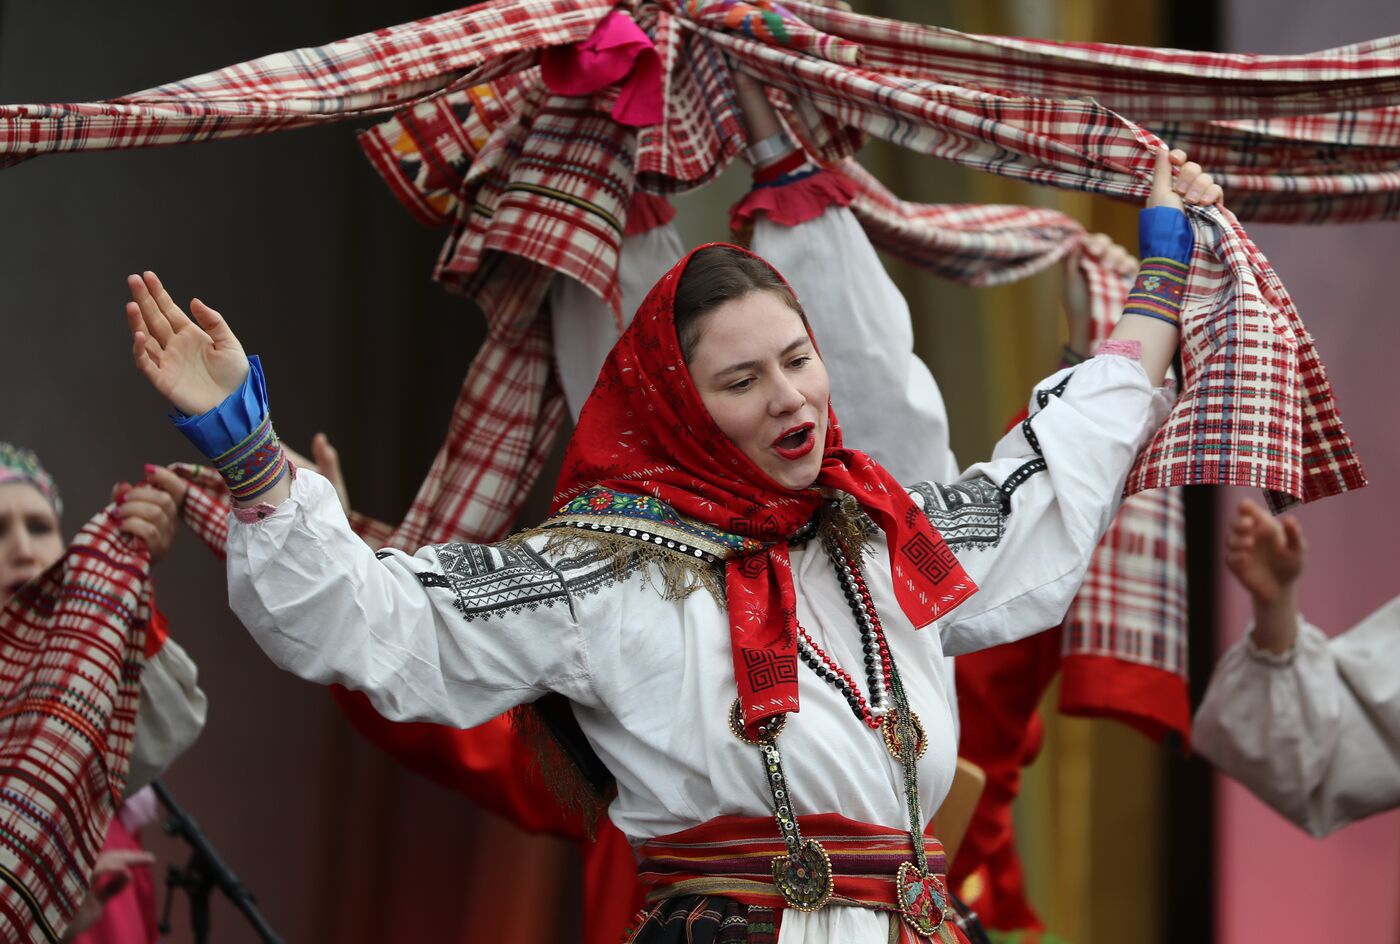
x=804, y=879
x=901, y=736
x=923, y=899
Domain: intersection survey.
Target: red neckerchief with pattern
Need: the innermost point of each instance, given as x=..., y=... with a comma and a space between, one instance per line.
x=645, y=430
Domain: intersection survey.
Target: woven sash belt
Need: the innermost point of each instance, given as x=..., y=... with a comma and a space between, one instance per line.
x=732, y=857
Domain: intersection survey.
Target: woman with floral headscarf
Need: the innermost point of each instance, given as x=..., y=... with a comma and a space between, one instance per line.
x=729, y=596
x=171, y=710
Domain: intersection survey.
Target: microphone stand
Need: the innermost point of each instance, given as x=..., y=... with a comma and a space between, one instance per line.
x=204, y=872
x=967, y=921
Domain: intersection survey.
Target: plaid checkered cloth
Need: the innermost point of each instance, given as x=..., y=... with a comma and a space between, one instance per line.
x=1123, y=641
x=534, y=184
x=976, y=244
x=547, y=188
x=71, y=651
x=373, y=73
x=206, y=506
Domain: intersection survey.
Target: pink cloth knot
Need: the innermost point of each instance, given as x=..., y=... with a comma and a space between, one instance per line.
x=616, y=51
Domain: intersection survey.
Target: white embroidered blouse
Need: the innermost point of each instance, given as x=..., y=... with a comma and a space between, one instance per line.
x=457, y=634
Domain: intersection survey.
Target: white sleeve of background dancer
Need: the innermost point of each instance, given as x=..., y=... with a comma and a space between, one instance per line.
x=169, y=716
x=1058, y=489
x=863, y=329
x=1313, y=732
x=585, y=328
x=455, y=634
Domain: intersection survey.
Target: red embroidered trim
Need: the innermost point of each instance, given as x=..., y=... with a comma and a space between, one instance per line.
x=794, y=203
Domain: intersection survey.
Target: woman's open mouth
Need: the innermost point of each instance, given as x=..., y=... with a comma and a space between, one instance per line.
x=796, y=442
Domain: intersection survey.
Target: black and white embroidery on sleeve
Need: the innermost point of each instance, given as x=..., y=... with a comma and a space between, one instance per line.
x=1019, y=477
x=499, y=579
x=970, y=515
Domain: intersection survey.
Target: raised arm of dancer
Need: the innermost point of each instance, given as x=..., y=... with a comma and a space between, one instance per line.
x=1309, y=724
x=1158, y=336
x=584, y=326
x=852, y=304
x=455, y=634
x=1058, y=476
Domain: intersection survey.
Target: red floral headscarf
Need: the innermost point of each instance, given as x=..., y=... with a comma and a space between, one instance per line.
x=644, y=430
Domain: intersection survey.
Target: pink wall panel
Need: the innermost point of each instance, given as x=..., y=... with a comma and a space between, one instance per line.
x=1274, y=881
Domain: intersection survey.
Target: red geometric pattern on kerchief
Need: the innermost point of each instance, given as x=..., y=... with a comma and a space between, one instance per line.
x=645, y=430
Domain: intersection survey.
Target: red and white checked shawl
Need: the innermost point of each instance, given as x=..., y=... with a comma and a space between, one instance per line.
x=534, y=184
x=549, y=184
x=72, y=646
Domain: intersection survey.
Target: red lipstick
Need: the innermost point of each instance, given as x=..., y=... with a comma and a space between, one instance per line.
x=796, y=442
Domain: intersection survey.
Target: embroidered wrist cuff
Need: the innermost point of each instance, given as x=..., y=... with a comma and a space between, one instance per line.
x=775, y=145
x=251, y=514
x=793, y=198
x=1275, y=660
x=1159, y=290
x=1116, y=347
x=647, y=211
x=255, y=465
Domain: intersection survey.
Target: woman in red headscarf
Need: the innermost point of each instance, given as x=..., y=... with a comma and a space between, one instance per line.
x=748, y=617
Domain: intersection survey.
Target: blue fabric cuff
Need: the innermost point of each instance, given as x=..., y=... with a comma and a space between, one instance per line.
x=1164, y=233
x=230, y=423
x=802, y=173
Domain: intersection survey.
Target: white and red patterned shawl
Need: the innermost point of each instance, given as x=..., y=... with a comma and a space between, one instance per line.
x=72, y=646
x=549, y=184
x=534, y=183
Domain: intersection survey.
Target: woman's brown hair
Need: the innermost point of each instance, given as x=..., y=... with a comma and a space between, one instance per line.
x=717, y=275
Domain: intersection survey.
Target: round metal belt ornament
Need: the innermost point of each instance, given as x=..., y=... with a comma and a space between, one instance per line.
x=804, y=879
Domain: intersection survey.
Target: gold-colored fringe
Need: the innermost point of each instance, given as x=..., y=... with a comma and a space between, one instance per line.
x=681, y=574
x=563, y=777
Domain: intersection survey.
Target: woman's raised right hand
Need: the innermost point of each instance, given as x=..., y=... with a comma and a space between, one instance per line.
x=195, y=363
